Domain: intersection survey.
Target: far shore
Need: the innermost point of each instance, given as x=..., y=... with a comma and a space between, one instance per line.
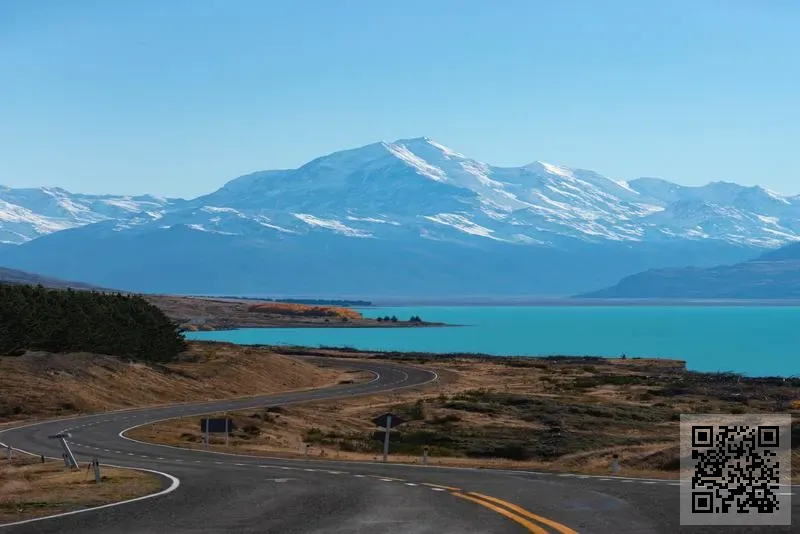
x=222, y=314
x=575, y=302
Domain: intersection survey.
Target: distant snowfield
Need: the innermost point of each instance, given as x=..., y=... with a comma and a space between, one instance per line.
x=420, y=189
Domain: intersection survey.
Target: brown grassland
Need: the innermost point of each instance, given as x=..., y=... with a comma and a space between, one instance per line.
x=567, y=414
x=558, y=414
x=40, y=384
x=30, y=489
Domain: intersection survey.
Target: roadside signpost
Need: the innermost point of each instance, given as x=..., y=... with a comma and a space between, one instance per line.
x=218, y=426
x=386, y=421
x=69, y=458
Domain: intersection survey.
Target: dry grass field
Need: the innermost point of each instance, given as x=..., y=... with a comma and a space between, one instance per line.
x=552, y=414
x=31, y=489
x=41, y=384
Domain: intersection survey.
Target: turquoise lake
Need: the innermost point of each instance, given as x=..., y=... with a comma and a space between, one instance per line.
x=756, y=341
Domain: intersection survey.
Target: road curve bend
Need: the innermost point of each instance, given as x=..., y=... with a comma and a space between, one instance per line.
x=217, y=492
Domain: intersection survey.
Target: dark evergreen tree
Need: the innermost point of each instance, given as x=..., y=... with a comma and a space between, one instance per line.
x=55, y=320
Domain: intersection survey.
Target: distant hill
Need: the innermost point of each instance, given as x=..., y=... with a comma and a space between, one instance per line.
x=13, y=276
x=773, y=275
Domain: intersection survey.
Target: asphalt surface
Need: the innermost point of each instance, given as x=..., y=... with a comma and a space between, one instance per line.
x=234, y=493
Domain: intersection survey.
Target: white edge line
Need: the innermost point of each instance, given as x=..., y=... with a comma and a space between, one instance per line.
x=355, y=462
x=174, y=484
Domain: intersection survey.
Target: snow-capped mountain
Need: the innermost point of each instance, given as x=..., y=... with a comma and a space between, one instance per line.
x=395, y=216
x=421, y=188
x=26, y=214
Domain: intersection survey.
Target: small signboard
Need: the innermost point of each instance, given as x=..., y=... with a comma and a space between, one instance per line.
x=217, y=425
x=383, y=420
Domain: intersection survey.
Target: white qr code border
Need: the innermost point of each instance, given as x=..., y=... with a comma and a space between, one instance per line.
x=736, y=469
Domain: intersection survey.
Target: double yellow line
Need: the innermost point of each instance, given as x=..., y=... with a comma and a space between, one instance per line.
x=525, y=518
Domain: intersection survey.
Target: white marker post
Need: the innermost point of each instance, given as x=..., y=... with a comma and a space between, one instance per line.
x=425, y=454
x=96, y=465
x=615, y=465
x=386, y=438
x=10, y=453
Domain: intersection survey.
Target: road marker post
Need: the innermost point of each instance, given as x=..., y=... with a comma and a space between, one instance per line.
x=96, y=465
x=10, y=453
x=386, y=438
x=615, y=464
x=425, y=454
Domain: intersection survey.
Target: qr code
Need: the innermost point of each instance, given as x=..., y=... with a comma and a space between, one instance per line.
x=735, y=469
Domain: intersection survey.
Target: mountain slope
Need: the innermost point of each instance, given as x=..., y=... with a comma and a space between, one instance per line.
x=415, y=188
x=26, y=214
x=409, y=217
x=14, y=276
x=774, y=275
x=183, y=260
x=424, y=188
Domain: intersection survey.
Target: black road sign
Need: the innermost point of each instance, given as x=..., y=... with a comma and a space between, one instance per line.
x=217, y=425
x=382, y=420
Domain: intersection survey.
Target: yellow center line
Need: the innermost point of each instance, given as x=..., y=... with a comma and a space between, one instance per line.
x=449, y=488
x=522, y=511
x=514, y=517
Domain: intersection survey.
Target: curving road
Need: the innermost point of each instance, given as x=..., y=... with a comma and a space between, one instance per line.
x=216, y=492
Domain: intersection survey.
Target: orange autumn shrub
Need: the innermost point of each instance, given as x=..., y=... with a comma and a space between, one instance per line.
x=304, y=310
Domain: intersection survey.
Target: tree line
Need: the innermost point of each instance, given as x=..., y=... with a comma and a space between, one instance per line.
x=54, y=320
x=393, y=319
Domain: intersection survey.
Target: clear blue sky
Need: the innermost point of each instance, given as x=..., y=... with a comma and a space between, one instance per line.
x=175, y=97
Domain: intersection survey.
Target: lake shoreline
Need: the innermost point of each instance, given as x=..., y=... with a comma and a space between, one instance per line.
x=579, y=303
x=753, y=341
x=228, y=314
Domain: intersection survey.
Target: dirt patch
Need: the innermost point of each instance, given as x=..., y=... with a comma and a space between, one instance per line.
x=44, y=384
x=29, y=488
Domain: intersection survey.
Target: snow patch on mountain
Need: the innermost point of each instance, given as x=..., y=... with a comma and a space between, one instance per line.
x=331, y=224
x=372, y=220
x=461, y=223
x=422, y=166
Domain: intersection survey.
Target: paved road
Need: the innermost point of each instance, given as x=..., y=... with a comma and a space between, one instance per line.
x=231, y=493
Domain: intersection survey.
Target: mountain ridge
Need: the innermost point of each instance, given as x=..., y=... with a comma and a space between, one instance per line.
x=406, y=213
x=774, y=275
x=538, y=202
